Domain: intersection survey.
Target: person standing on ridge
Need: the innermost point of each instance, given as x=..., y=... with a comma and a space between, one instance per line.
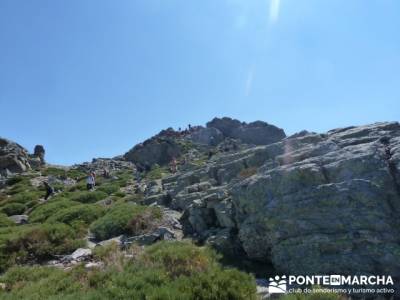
x=90, y=181
x=173, y=165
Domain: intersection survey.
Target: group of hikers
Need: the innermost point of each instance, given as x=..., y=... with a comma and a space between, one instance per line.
x=90, y=183
x=91, y=178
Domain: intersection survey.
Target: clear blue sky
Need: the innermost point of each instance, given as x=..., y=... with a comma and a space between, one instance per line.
x=91, y=78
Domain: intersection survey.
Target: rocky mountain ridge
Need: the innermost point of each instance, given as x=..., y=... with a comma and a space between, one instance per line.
x=306, y=204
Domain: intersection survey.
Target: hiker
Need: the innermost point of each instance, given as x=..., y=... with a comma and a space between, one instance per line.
x=173, y=165
x=90, y=181
x=106, y=173
x=49, y=190
x=137, y=175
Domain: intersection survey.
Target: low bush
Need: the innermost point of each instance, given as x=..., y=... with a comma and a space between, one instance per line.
x=42, y=212
x=18, y=179
x=117, y=220
x=76, y=174
x=26, y=196
x=119, y=194
x=82, y=213
x=144, y=221
x=135, y=198
x=89, y=196
x=27, y=243
x=53, y=171
x=156, y=172
x=13, y=209
x=80, y=186
x=178, y=259
x=5, y=221
x=143, y=277
x=20, y=187
x=109, y=188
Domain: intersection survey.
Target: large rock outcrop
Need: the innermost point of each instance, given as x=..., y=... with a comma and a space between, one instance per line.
x=326, y=203
x=206, y=136
x=13, y=158
x=257, y=133
x=159, y=149
x=309, y=204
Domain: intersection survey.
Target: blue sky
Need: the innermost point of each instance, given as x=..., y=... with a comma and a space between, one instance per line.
x=91, y=78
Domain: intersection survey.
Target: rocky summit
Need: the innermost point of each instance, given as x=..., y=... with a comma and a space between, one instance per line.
x=306, y=204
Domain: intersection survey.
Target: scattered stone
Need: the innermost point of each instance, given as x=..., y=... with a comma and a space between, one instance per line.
x=81, y=254
x=117, y=240
x=160, y=234
x=19, y=219
x=93, y=265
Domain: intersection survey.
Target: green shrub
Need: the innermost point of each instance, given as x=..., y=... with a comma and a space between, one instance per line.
x=180, y=258
x=26, y=196
x=18, y=179
x=89, y=196
x=26, y=243
x=45, y=283
x=124, y=177
x=119, y=194
x=109, y=188
x=20, y=187
x=75, y=173
x=13, y=209
x=144, y=277
x=53, y=171
x=80, y=186
x=5, y=221
x=217, y=284
x=82, y=213
x=32, y=203
x=156, y=172
x=42, y=212
x=117, y=220
x=136, y=198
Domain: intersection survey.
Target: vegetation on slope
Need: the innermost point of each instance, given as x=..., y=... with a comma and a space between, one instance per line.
x=166, y=270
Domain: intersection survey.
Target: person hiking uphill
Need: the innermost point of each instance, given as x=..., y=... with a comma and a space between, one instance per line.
x=49, y=190
x=90, y=181
x=173, y=165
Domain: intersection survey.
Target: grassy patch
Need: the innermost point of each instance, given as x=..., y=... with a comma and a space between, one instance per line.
x=22, y=244
x=109, y=188
x=118, y=220
x=146, y=276
x=13, y=209
x=5, y=221
x=22, y=180
x=26, y=196
x=76, y=215
x=88, y=196
x=156, y=172
x=42, y=212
